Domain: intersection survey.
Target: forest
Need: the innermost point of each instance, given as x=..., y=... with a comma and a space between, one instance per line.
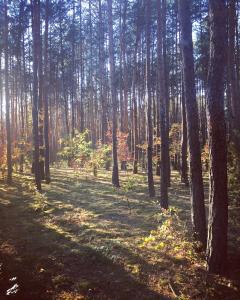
x=120, y=149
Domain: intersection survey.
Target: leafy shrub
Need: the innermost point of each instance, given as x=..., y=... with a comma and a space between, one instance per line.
x=172, y=236
x=124, y=154
x=76, y=151
x=130, y=184
x=99, y=157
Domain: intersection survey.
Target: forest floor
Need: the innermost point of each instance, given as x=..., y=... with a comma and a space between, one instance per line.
x=84, y=239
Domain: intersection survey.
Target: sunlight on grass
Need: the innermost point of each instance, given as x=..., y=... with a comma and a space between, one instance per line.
x=59, y=230
x=82, y=219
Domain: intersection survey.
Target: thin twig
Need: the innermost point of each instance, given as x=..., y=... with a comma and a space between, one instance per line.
x=129, y=205
x=172, y=289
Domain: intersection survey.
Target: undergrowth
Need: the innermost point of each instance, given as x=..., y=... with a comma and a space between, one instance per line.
x=40, y=201
x=171, y=241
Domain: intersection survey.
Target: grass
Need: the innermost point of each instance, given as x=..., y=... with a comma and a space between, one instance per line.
x=84, y=239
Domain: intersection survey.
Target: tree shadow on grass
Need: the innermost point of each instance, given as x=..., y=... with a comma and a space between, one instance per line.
x=46, y=262
x=84, y=265
x=179, y=197
x=107, y=205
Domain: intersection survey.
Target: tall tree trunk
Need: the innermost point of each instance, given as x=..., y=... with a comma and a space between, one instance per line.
x=40, y=105
x=36, y=37
x=233, y=80
x=21, y=75
x=161, y=95
x=134, y=99
x=124, y=75
x=101, y=75
x=45, y=94
x=184, y=166
x=234, y=84
x=218, y=198
x=81, y=71
x=63, y=79
x=7, y=98
x=125, y=71
x=73, y=70
x=151, y=188
x=166, y=74
x=197, y=192
x=115, y=175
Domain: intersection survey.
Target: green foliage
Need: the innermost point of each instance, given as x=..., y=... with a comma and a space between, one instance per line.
x=40, y=200
x=130, y=184
x=172, y=236
x=76, y=151
x=21, y=155
x=99, y=157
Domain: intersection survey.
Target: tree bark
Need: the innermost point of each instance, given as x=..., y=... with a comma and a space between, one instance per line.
x=184, y=148
x=197, y=192
x=104, y=124
x=7, y=97
x=166, y=74
x=234, y=85
x=41, y=100
x=115, y=175
x=45, y=94
x=161, y=95
x=82, y=123
x=218, y=197
x=36, y=35
x=151, y=188
x=134, y=99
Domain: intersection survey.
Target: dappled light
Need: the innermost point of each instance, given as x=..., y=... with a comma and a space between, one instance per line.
x=119, y=150
x=85, y=242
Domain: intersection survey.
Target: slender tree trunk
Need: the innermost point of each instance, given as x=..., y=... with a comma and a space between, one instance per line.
x=184, y=166
x=134, y=100
x=81, y=71
x=151, y=188
x=45, y=94
x=21, y=75
x=218, y=198
x=234, y=84
x=40, y=105
x=73, y=70
x=161, y=95
x=233, y=80
x=166, y=72
x=125, y=71
x=7, y=98
x=124, y=76
x=63, y=79
x=115, y=175
x=197, y=192
x=35, y=103
x=101, y=75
